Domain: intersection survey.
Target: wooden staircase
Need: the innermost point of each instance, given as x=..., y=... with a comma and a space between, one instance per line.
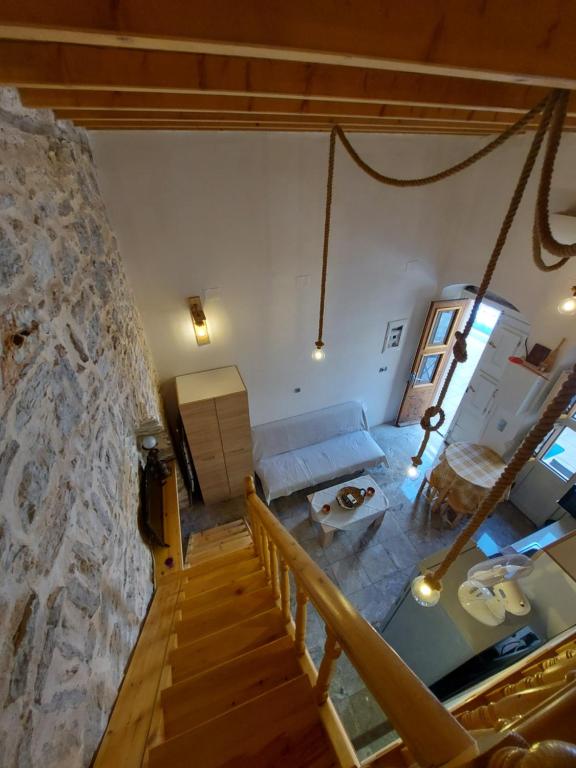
x=221, y=676
x=237, y=693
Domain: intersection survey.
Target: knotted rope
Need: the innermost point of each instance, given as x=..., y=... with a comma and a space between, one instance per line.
x=508, y=475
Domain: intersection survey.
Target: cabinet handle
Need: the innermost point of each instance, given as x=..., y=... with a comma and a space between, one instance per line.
x=237, y=450
x=207, y=458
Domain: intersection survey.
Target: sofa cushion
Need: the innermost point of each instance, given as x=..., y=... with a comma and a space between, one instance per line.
x=304, y=467
x=307, y=429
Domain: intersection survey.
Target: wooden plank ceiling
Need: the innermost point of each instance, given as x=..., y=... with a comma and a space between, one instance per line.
x=388, y=66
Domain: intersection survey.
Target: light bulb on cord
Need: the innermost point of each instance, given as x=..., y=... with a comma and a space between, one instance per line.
x=319, y=353
x=568, y=305
x=412, y=472
x=423, y=593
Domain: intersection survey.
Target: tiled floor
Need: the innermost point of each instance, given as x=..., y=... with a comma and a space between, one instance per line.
x=372, y=568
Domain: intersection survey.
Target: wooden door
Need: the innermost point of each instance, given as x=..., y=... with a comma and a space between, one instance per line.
x=202, y=430
x=235, y=432
x=433, y=354
x=483, y=396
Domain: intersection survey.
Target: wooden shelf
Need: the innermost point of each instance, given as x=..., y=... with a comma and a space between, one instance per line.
x=172, y=531
x=520, y=361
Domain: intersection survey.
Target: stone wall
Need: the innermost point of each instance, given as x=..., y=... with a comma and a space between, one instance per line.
x=76, y=379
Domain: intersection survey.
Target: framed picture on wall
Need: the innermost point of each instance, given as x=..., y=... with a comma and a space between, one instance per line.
x=394, y=334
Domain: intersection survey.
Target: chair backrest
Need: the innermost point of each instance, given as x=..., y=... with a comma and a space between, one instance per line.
x=460, y=504
x=307, y=429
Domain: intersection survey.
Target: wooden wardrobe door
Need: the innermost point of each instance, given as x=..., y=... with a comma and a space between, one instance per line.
x=234, y=420
x=202, y=430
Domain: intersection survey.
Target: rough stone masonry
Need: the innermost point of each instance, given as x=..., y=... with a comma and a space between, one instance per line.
x=76, y=380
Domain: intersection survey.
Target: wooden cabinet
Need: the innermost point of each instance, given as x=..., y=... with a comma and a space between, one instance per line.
x=214, y=410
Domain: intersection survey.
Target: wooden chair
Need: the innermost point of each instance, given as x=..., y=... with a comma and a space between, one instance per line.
x=454, y=501
x=426, y=487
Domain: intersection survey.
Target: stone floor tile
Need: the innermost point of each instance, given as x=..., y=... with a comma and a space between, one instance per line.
x=377, y=562
x=401, y=550
x=371, y=602
x=348, y=574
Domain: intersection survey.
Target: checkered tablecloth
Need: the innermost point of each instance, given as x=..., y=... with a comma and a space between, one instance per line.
x=477, y=464
x=467, y=471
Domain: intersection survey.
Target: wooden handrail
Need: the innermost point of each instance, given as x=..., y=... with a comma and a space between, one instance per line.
x=432, y=734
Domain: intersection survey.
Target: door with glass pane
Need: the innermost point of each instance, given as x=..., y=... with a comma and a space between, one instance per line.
x=434, y=351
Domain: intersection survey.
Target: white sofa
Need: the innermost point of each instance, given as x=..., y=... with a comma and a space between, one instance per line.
x=305, y=450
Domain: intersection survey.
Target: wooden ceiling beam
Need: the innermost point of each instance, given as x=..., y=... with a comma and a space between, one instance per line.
x=73, y=103
x=288, y=128
x=263, y=120
x=69, y=67
x=516, y=41
x=92, y=115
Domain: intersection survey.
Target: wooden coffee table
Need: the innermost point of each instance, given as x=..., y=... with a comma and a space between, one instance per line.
x=372, y=510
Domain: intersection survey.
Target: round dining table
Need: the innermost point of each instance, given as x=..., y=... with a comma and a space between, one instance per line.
x=469, y=469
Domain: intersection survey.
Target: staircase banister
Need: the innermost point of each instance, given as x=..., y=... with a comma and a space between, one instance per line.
x=432, y=734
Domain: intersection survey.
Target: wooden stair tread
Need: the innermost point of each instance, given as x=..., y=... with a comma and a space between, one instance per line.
x=206, y=551
x=210, y=694
x=218, y=532
x=278, y=729
x=221, y=559
x=213, y=650
x=196, y=583
x=202, y=543
x=190, y=628
x=236, y=587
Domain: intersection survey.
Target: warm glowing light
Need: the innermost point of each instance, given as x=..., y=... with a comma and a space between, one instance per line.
x=423, y=593
x=201, y=330
x=412, y=472
x=318, y=354
x=567, y=306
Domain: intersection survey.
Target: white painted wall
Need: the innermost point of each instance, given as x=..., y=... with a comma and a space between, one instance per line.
x=244, y=213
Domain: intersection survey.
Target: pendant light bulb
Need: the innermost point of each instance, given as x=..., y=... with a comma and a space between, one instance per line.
x=568, y=305
x=412, y=472
x=319, y=353
x=423, y=593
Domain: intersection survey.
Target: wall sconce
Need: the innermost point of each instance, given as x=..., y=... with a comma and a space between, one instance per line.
x=199, y=321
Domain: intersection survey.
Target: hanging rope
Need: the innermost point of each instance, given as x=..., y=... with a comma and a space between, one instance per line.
x=509, y=473
x=542, y=234
x=329, y=185
x=391, y=181
x=553, y=112
x=459, y=351
x=454, y=169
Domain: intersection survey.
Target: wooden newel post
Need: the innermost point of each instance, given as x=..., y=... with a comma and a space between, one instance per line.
x=300, y=638
x=332, y=651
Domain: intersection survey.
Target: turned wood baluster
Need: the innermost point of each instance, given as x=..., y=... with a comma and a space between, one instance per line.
x=254, y=526
x=332, y=651
x=266, y=552
x=497, y=714
x=300, y=638
x=285, y=590
x=551, y=674
x=544, y=754
x=260, y=537
x=273, y=569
